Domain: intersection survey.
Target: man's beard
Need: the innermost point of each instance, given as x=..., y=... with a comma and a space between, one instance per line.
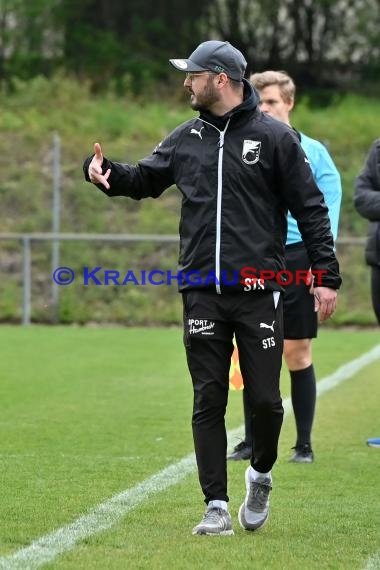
x=207, y=98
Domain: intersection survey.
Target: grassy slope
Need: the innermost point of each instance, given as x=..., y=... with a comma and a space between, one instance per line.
x=86, y=414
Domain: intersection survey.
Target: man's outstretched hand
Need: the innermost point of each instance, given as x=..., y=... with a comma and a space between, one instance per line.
x=95, y=173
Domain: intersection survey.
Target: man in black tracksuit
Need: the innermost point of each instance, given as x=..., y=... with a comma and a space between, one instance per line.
x=367, y=203
x=239, y=171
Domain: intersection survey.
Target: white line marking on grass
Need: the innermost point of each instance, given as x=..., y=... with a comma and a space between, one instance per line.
x=101, y=518
x=373, y=563
x=348, y=370
x=110, y=512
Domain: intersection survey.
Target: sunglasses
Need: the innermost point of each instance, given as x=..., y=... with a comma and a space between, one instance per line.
x=190, y=76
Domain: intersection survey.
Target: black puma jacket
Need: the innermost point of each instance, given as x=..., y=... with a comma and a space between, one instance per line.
x=238, y=176
x=367, y=201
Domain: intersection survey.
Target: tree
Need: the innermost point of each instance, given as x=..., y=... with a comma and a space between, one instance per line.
x=108, y=38
x=318, y=41
x=27, y=38
x=311, y=38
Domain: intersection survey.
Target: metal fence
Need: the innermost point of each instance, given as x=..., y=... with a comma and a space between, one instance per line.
x=26, y=240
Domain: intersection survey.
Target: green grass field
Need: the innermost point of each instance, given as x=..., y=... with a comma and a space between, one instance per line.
x=88, y=413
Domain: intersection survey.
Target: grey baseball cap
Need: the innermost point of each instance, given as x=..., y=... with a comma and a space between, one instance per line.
x=216, y=56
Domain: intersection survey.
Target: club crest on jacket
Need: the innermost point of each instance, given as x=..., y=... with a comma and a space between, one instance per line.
x=251, y=151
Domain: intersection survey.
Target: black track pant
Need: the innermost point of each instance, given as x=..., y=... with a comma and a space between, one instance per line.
x=375, y=291
x=210, y=321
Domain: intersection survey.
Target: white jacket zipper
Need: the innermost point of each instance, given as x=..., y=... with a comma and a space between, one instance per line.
x=219, y=203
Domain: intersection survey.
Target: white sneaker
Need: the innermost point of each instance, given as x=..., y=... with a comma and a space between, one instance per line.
x=215, y=522
x=254, y=512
